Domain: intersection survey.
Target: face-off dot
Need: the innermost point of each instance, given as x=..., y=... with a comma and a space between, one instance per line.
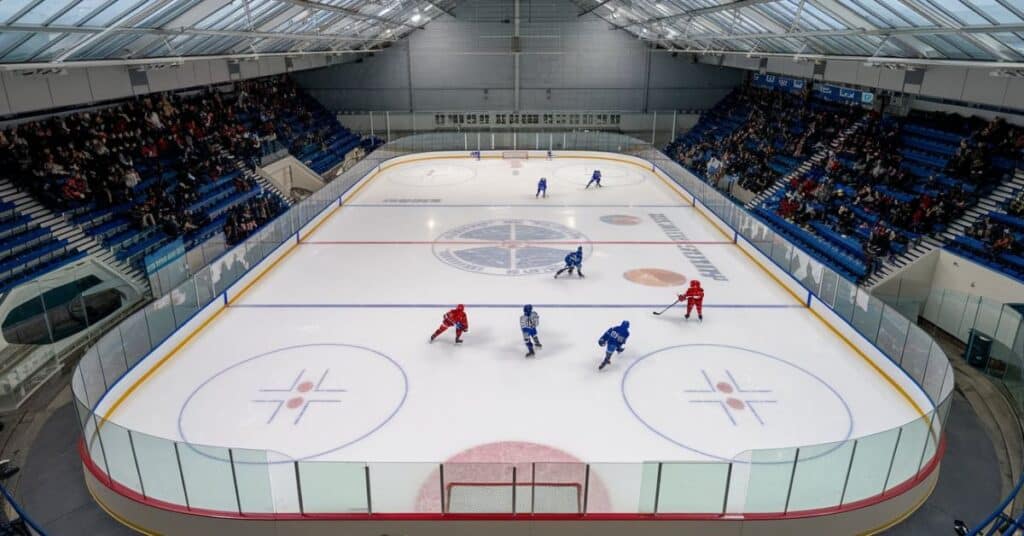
x=723, y=387
x=294, y=402
x=305, y=387
x=735, y=403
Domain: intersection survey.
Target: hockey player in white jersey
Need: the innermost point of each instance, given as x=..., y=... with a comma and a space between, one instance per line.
x=528, y=323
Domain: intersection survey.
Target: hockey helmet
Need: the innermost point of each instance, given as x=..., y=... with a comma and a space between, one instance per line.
x=695, y=283
x=460, y=307
x=527, y=309
x=579, y=249
x=625, y=324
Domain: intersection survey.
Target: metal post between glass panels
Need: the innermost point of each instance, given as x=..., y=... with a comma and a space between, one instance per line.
x=895, y=447
x=657, y=489
x=792, y=476
x=135, y=458
x=298, y=487
x=849, y=468
x=181, y=475
x=234, y=480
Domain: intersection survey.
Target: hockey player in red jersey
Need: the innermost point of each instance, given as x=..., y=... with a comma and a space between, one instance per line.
x=694, y=297
x=456, y=317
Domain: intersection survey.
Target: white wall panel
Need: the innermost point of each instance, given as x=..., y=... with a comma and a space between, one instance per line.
x=868, y=76
x=945, y=82
x=202, y=70
x=1015, y=93
x=187, y=75
x=163, y=79
x=271, y=66
x=109, y=83
x=218, y=71
x=980, y=87
x=249, y=69
x=787, y=66
x=891, y=79
x=27, y=93
x=842, y=71
x=70, y=88
x=5, y=107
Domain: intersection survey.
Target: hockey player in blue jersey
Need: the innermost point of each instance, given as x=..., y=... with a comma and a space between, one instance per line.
x=542, y=187
x=613, y=340
x=528, y=323
x=595, y=179
x=573, y=261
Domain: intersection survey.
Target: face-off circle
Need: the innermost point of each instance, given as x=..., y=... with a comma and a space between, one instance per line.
x=655, y=277
x=512, y=247
x=437, y=174
x=621, y=219
x=330, y=395
x=709, y=398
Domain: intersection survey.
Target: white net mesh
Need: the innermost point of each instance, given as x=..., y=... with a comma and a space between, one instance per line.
x=515, y=155
x=497, y=498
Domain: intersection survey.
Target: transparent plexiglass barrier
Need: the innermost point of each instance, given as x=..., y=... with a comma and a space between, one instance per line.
x=208, y=478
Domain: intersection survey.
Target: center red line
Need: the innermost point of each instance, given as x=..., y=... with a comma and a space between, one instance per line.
x=524, y=242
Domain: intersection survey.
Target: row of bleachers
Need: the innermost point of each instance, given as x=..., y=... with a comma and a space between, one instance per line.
x=892, y=183
x=758, y=135
x=136, y=175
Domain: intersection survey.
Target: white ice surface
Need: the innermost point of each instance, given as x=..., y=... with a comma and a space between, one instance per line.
x=375, y=390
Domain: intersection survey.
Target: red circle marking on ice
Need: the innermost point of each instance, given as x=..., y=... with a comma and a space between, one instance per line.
x=493, y=462
x=305, y=387
x=734, y=403
x=724, y=387
x=655, y=277
x=294, y=402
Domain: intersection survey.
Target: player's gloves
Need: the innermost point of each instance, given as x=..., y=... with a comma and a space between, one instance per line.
x=600, y=342
x=681, y=298
x=620, y=349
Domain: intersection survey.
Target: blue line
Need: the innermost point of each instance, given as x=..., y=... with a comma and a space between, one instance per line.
x=526, y=205
x=504, y=305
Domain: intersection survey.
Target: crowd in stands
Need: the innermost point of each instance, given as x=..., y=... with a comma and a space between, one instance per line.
x=245, y=218
x=756, y=135
x=891, y=182
x=170, y=165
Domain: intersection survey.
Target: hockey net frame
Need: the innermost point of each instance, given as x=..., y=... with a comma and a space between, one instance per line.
x=515, y=155
x=537, y=495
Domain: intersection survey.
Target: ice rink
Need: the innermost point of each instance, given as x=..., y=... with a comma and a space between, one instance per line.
x=326, y=357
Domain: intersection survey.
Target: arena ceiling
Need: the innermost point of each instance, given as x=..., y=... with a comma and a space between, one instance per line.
x=60, y=31
x=55, y=31
x=987, y=30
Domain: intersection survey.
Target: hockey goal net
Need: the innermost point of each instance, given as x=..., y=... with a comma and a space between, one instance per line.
x=526, y=497
x=515, y=155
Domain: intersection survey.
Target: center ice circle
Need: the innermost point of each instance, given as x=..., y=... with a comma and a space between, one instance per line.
x=436, y=174
x=510, y=247
x=611, y=176
x=300, y=402
x=720, y=400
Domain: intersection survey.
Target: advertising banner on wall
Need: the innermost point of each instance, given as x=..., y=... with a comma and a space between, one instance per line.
x=833, y=93
x=781, y=83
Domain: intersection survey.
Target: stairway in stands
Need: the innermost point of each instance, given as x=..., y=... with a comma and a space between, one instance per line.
x=247, y=172
x=816, y=160
x=993, y=202
x=65, y=235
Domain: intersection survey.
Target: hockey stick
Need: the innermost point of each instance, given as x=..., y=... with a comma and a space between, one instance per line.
x=657, y=313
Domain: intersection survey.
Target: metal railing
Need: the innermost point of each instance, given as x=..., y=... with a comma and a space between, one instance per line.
x=245, y=481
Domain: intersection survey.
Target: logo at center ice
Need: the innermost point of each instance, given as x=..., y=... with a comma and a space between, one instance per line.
x=509, y=247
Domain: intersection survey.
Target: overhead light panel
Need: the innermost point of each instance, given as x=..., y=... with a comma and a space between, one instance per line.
x=416, y=17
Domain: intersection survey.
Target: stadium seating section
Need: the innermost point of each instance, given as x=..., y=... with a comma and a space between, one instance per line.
x=889, y=182
x=139, y=174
